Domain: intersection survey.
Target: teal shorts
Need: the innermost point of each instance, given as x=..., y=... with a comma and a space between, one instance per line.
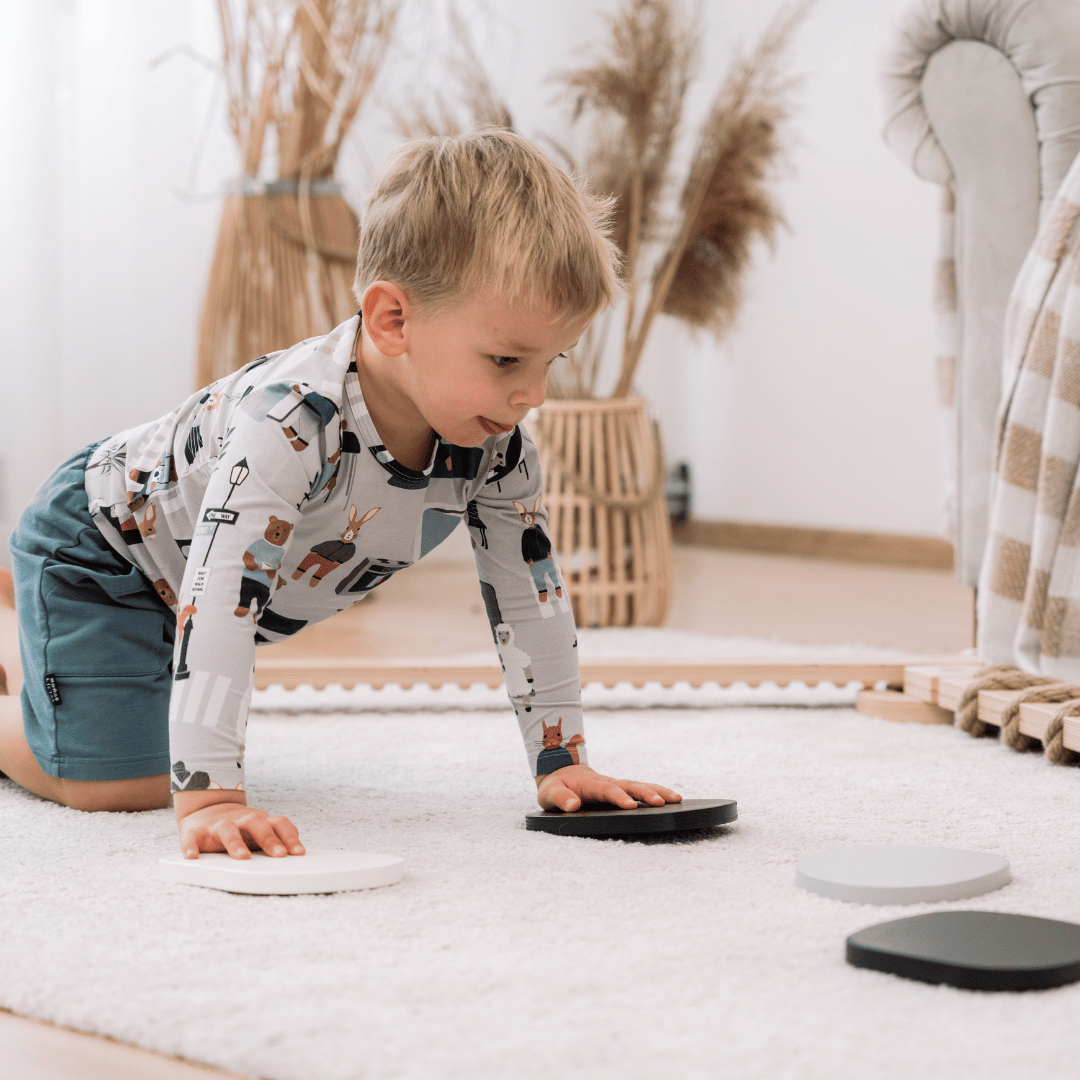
x=96, y=642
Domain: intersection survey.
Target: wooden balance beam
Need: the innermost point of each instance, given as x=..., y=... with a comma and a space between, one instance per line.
x=932, y=694
x=377, y=673
x=1035, y=717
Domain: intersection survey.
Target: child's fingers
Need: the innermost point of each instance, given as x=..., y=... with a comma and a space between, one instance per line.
x=607, y=790
x=227, y=833
x=557, y=796
x=290, y=835
x=653, y=794
x=263, y=832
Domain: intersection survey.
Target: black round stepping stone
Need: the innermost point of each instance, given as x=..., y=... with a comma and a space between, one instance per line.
x=603, y=819
x=975, y=950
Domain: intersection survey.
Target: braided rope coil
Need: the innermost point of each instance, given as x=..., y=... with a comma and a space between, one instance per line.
x=1054, y=748
x=1011, y=735
x=994, y=677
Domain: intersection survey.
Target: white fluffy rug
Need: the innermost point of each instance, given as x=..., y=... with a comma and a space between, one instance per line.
x=506, y=953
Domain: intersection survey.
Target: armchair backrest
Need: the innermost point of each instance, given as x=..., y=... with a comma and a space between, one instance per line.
x=982, y=98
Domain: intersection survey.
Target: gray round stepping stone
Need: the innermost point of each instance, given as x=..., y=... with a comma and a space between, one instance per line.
x=318, y=871
x=901, y=873
x=974, y=950
x=595, y=819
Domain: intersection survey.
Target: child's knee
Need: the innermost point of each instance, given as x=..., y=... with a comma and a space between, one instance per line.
x=142, y=793
x=7, y=588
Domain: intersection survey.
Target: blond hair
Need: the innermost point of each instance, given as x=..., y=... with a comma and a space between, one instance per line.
x=452, y=215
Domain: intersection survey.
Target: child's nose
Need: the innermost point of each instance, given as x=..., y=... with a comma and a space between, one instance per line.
x=532, y=393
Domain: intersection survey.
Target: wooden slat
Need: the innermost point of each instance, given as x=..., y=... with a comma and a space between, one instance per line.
x=922, y=681
x=951, y=689
x=992, y=703
x=1035, y=717
x=900, y=708
x=349, y=671
x=1071, y=733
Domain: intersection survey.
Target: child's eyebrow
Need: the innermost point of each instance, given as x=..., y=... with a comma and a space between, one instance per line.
x=515, y=349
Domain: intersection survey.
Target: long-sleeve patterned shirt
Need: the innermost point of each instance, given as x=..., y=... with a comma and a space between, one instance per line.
x=267, y=502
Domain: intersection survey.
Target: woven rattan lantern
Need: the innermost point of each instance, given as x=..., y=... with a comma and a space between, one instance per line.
x=604, y=493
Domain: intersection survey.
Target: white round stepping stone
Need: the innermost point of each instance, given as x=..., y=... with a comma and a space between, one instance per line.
x=901, y=873
x=319, y=871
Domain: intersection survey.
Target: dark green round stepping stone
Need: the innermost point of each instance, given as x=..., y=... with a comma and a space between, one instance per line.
x=975, y=950
x=603, y=819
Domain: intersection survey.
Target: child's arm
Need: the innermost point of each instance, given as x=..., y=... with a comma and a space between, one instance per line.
x=250, y=506
x=222, y=821
x=533, y=626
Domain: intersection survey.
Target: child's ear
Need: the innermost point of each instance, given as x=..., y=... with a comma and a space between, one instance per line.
x=386, y=310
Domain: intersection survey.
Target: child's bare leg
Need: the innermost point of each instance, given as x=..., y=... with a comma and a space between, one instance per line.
x=17, y=761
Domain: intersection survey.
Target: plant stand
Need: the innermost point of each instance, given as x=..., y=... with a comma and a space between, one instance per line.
x=603, y=468
x=282, y=272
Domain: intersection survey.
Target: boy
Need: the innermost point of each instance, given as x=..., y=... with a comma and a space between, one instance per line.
x=151, y=564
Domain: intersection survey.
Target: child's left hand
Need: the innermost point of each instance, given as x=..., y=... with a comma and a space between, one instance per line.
x=567, y=788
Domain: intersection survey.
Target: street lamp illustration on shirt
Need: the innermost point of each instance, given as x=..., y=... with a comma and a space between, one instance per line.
x=213, y=517
x=186, y=622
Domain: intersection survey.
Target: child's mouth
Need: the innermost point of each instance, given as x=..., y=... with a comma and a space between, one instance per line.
x=494, y=429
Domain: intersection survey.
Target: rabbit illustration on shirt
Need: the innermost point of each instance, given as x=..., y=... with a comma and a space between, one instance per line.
x=330, y=554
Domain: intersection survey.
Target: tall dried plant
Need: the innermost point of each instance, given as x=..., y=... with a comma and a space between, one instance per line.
x=305, y=67
x=437, y=115
x=640, y=85
x=282, y=270
x=633, y=98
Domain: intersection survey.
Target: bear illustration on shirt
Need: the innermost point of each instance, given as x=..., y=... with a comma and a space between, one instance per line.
x=261, y=563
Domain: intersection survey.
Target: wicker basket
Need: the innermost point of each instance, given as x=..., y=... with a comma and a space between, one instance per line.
x=603, y=468
x=282, y=272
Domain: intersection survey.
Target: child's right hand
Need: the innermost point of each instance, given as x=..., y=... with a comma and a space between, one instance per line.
x=211, y=821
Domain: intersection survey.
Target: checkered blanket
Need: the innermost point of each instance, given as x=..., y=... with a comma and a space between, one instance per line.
x=1029, y=585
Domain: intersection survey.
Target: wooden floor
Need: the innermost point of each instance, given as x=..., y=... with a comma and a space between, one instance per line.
x=435, y=609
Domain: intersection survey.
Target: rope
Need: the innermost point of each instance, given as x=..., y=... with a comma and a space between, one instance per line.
x=298, y=236
x=994, y=677
x=585, y=490
x=1054, y=747
x=1011, y=735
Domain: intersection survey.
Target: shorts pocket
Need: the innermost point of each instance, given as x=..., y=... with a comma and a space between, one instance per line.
x=91, y=635
x=112, y=719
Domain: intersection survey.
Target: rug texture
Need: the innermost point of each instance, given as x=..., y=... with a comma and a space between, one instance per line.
x=507, y=953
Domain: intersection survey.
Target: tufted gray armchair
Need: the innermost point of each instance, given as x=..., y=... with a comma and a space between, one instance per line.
x=983, y=98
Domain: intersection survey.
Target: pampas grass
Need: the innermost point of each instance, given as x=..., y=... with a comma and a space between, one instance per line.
x=632, y=97
x=299, y=70
x=438, y=116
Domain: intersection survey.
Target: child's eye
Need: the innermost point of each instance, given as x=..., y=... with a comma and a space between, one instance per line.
x=504, y=361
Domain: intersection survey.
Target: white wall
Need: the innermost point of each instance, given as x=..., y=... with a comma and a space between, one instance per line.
x=817, y=411
x=104, y=263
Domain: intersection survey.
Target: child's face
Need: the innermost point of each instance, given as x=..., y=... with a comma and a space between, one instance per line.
x=475, y=370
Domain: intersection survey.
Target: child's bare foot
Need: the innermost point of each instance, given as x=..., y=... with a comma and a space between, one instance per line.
x=7, y=588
